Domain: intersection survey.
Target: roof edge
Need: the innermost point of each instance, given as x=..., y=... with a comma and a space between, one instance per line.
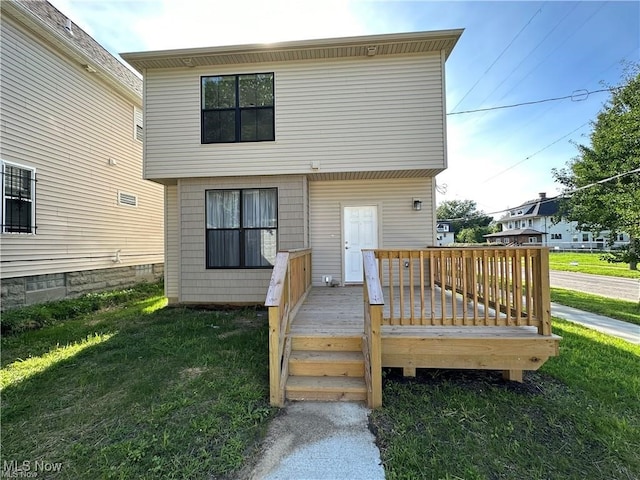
x=31, y=21
x=451, y=35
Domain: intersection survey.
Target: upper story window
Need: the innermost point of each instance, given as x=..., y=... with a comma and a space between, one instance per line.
x=237, y=108
x=18, y=199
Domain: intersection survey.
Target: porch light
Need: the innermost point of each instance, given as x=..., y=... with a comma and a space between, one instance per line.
x=417, y=204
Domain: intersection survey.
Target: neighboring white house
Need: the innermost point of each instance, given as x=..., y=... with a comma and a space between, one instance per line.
x=444, y=233
x=330, y=144
x=76, y=214
x=534, y=222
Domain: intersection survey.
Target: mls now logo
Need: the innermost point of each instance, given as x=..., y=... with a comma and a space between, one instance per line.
x=28, y=469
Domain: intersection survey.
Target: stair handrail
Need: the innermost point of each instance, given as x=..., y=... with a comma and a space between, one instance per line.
x=289, y=285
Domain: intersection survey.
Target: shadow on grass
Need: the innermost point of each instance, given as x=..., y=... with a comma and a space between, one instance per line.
x=36, y=343
x=175, y=393
x=578, y=417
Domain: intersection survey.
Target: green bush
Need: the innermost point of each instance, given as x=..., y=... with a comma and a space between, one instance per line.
x=38, y=316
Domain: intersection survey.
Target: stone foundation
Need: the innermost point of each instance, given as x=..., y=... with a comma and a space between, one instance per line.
x=21, y=291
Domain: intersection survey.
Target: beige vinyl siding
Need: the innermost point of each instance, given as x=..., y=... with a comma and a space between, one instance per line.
x=172, y=243
x=201, y=285
x=399, y=226
x=356, y=115
x=77, y=133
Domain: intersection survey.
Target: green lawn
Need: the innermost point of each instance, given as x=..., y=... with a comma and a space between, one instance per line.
x=577, y=418
x=139, y=391
x=589, y=263
x=145, y=391
x=610, y=307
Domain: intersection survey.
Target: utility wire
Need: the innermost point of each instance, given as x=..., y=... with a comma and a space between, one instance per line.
x=555, y=49
x=528, y=55
x=498, y=57
x=576, y=96
x=552, y=199
x=534, y=154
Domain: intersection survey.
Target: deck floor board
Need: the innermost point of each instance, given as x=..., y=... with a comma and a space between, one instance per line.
x=340, y=310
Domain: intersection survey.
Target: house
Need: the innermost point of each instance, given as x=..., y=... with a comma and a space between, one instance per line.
x=329, y=144
x=76, y=214
x=445, y=235
x=535, y=222
x=292, y=168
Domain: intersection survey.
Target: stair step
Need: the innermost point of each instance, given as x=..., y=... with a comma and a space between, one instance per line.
x=318, y=363
x=326, y=342
x=326, y=388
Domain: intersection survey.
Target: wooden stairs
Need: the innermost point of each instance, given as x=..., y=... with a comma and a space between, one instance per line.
x=326, y=368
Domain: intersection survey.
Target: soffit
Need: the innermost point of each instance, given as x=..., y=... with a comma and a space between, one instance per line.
x=326, y=49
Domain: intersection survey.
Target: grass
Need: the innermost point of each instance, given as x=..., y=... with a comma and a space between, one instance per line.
x=47, y=314
x=589, y=263
x=137, y=391
x=577, y=418
x=610, y=307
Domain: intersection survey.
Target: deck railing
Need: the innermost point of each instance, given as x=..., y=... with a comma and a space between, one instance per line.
x=289, y=285
x=372, y=341
x=498, y=286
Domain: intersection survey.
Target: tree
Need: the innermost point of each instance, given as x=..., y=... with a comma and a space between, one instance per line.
x=602, y=184
x=469, y=223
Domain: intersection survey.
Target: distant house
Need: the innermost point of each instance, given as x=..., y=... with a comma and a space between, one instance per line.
x=445, y=234
x=76, y=214
x=327, y=144
x=533, y=223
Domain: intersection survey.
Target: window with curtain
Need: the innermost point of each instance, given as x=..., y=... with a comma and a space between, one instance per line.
x=237, y=108
x=242, y=228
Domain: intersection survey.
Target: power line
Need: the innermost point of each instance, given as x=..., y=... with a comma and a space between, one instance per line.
x=528, y=55
x=533, y=154
x=553, y=199
x=576, y=96
x=498, y=57
x=554, y=50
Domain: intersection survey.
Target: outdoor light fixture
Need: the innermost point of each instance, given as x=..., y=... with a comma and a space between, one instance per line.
x=417, y=204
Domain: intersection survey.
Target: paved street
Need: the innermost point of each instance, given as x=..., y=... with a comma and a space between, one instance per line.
x=614, y=287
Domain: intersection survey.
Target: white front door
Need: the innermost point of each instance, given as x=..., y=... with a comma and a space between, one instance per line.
x=360, y=232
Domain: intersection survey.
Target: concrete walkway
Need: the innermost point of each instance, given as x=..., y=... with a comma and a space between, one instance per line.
x=617, y=328
x=320, y=441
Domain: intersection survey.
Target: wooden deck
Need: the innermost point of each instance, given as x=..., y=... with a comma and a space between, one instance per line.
x=433, y=308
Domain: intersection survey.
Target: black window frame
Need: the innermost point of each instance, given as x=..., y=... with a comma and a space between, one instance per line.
x=241, y=239
x=238, y=110
x=7, y=225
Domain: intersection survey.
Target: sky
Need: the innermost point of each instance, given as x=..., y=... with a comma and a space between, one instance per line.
x=511, y=52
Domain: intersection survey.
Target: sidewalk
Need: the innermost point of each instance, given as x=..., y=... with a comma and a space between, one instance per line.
x=320, y=441
x=617, y=328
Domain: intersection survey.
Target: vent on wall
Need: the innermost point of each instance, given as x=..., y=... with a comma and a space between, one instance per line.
x=127, y=199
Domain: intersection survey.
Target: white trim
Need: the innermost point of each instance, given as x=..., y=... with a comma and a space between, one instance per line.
x=3, y=207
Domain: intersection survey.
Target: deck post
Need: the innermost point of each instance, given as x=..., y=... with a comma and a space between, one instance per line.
x=512, y=375
x=542, y=292
x=408, y=371
x=376, y=356
x=274, y=357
